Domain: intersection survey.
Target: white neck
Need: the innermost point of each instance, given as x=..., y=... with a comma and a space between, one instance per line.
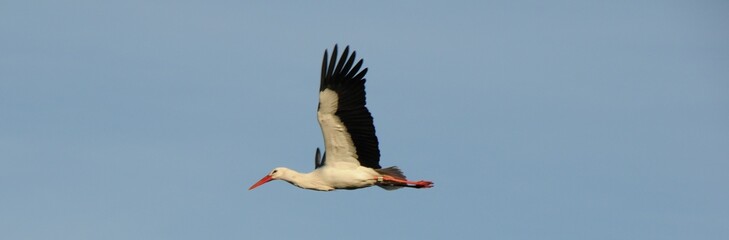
x=304, y=180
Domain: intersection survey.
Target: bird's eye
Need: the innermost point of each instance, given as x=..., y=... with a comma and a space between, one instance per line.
x=274, y=171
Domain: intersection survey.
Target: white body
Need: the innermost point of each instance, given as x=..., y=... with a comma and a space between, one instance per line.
x=328, y=178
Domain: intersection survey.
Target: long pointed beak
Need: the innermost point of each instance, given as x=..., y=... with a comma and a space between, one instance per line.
x=263, y=180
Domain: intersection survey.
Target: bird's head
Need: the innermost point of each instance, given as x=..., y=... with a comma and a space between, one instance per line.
x=276, y=173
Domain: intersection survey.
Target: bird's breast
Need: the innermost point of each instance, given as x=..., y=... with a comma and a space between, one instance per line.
x=348, y=178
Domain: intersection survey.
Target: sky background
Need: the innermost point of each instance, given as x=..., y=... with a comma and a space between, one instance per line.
x=535, y=119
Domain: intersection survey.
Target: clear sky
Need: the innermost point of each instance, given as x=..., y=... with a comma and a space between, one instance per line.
x=535, y=119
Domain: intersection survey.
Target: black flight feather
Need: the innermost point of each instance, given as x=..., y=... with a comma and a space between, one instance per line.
x=348, y=82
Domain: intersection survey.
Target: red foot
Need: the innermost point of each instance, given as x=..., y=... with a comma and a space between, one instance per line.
x=418, y=184
x=423, y=184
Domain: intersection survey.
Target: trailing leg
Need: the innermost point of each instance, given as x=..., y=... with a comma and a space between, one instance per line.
x=393, y=181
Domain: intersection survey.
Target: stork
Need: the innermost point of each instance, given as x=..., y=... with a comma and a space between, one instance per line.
x=352, y=157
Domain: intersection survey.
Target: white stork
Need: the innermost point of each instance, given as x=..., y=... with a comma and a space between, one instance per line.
x=352, y=157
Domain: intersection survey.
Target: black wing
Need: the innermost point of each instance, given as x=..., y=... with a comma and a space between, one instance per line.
x=319, y=160
x=344, y=78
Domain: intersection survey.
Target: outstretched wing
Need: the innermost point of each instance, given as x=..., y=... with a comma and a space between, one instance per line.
x=347, y=126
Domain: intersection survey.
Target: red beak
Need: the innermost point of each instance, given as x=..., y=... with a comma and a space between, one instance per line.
x=263, y=180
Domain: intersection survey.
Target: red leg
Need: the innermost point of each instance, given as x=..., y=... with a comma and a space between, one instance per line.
x=418, y=184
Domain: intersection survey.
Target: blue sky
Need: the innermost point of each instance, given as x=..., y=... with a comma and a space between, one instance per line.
x=536, y=120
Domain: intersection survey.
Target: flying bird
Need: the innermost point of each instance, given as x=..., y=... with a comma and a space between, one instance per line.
x=352, y=157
